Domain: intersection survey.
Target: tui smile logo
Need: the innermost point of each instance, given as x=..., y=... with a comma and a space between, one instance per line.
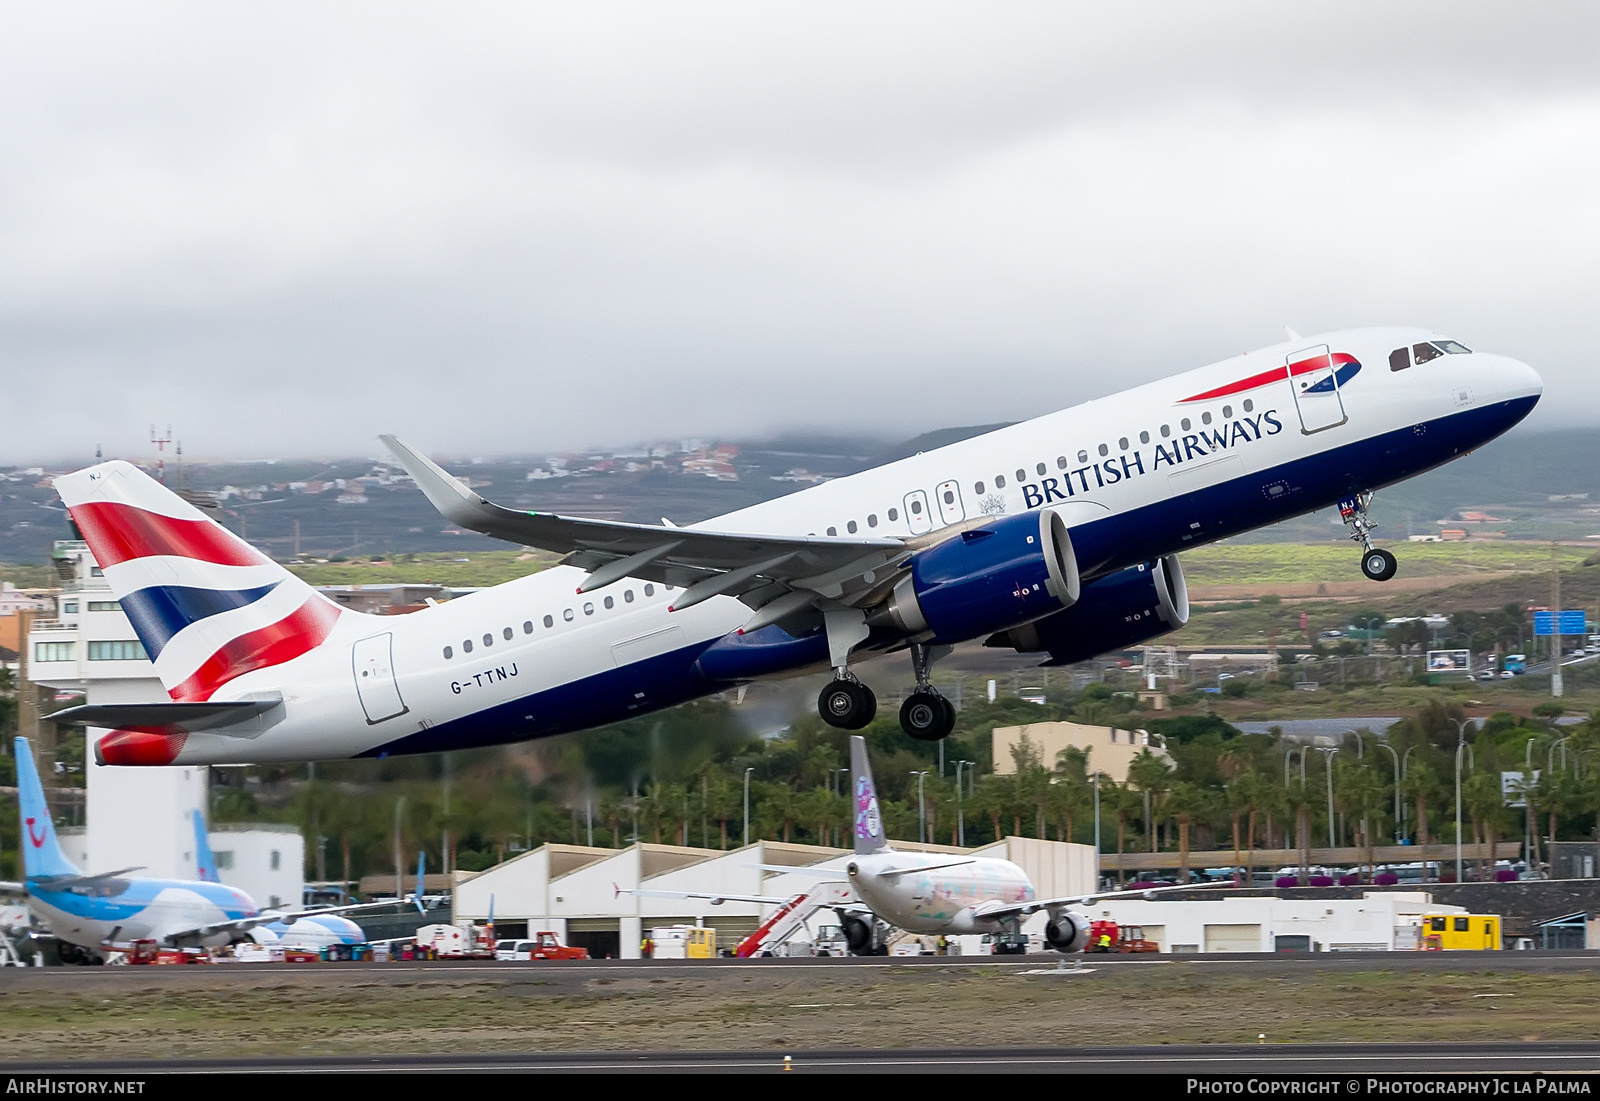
x=38, y=842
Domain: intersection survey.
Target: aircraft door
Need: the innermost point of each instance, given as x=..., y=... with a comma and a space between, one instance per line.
x=1316, y=389
x=375, y=683
x=948, y=498
x=918, y=515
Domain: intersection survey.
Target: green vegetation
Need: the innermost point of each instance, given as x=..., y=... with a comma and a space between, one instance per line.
x=479, y=568
x=1233, y=563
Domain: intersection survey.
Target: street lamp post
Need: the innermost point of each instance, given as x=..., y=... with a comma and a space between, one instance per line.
x=747, y=773
x=1396, y=756
x=1096, y=829
x=1327, y=756
x=922, y=810
x=1461, y=744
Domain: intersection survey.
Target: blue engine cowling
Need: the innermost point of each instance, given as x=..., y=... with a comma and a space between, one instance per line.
x=1016, y=569
x=1122, y=609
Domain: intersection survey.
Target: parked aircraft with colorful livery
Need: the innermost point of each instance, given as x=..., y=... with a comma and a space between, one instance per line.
x=1058, y=536
x=91, y=915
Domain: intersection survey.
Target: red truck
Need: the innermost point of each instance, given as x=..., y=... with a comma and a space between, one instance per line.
x=1108, y=936
x=545, y=945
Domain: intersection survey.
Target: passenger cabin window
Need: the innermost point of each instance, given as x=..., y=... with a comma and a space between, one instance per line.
x=1184, y=424
x=1248, y=405
x=649, y=590
x=527, y=626
x=588, y=609
x=999, y=481
x=1041, y=468
x=872, y=519
x=549, y=621
x=1227, y=411
x=977, y=487
x=1123, y=443
x=1205, y=418
x=610, y=603
x=1022, y=475
x=833, y=531
x=1144, y=437
x=1399, y=359
x=627, y=596
x=449, y=653
x=1104, y=450
x=466, y=646
x=1165, y=431
x=894, y=514
x=1424, y=352
x=851, y=526
x=567, y=615
x=1061, y=462
x=506, y=634
x=488, y=640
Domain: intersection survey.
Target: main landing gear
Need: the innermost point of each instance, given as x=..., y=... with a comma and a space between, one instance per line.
x=1377, y=563
x=847, y=703
x=926, y=715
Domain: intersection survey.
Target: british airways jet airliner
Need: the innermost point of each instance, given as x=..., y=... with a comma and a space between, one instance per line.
x=1059, y=536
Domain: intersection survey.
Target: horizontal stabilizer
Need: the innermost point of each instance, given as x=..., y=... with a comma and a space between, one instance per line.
x=173, y=717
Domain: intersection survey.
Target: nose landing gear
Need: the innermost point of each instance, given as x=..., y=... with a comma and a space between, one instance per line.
x=1376, y=563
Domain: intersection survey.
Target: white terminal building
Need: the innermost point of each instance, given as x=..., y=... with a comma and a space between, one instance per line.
x=143, y=817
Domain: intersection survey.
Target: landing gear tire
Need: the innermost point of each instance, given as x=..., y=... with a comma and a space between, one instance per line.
x=847, y=704
x=927, y=716
x=1379, y=565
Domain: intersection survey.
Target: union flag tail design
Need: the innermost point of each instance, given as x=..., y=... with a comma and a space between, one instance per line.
x=207, y=606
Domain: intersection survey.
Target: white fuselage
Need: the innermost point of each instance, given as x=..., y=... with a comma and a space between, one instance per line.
x=530, y=657
x=941, y=900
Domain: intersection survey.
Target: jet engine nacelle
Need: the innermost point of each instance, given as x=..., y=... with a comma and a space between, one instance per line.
x=1123, y=609
x=1068, y=933
x=1016, y=569
x=857, y=935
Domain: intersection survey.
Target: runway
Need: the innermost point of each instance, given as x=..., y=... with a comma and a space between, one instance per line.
x=1353, y=1061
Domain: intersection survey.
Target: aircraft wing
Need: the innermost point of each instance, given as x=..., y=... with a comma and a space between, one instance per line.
x=997, y=909
x=758, y=569
x=715, y=900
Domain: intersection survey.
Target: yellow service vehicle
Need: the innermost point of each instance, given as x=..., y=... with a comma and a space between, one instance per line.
x=1457, y=932
x=684, y=942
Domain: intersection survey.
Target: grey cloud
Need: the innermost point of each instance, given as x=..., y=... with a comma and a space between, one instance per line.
x=286, y=228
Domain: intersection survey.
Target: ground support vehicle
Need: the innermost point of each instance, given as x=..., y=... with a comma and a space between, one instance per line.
x=456, y=942
x=683, y=942
x=1460, y=932
x=1108, y=936
x=545, y=945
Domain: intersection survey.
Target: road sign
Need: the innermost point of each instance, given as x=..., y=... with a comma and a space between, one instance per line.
x=1571, y=622
x=1513, y=785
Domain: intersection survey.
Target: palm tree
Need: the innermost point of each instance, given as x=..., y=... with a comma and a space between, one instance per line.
x=1187, y=802
x=1152, y=777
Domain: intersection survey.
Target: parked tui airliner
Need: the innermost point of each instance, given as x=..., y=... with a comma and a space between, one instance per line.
x=1058, y=536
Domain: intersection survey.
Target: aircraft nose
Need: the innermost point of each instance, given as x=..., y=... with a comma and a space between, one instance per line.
x=1515, y=379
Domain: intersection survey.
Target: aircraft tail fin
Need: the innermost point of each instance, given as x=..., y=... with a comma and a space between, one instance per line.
x=205, y=860
x=422, y=874
x=869, y=836
x=206, y=605
x=41, y=852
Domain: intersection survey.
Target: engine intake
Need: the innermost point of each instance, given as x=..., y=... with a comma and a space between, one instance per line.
x=1125, y=608
x=1068, y=933
x=1009, y=572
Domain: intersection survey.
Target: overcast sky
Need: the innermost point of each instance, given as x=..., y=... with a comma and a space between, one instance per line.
x=513, y=228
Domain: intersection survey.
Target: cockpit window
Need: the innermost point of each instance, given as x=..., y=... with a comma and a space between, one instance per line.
x=1425, y=352
x=1453, y=348
x=1399, y=359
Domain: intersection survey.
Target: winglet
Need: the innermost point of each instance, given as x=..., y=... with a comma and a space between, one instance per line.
x=205, y=860
x=453, y=500
x=422, y=868
x=869, y=837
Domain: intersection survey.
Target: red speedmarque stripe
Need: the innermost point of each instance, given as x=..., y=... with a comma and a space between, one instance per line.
x=1299, y=367
x=296, y=633
x=118, y=533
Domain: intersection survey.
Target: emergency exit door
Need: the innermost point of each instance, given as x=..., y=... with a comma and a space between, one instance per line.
x=375, y=683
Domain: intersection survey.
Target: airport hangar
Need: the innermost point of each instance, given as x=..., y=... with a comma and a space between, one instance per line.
x=577, y=891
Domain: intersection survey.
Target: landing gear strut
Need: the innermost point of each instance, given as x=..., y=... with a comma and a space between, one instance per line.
x=926, y=715
x=1376, y=563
